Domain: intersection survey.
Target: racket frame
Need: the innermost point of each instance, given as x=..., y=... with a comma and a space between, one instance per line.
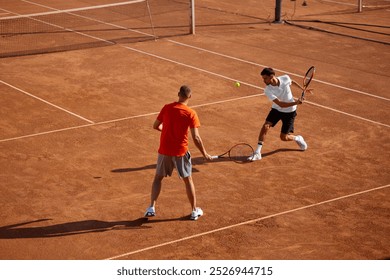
x=312, y=70
x=228, y=153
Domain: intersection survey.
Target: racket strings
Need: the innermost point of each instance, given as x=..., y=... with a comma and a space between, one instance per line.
x=309, y=75
x=241, y=153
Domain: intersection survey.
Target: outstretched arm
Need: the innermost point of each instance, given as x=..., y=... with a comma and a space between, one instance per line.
x=309, y=90
x=294, y=83
x=287, y=104
x=199, y=143
x=297, y=101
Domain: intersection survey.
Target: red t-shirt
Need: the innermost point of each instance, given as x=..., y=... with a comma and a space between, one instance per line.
x=176, y=118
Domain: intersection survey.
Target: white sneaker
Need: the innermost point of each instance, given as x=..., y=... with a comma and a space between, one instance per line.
x=254, y=157
x=196, y=213
x=301, y=142
x=150, y=212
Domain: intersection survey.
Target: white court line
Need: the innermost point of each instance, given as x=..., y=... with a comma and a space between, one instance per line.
x=69, y=11
x=280, y=70
x=347, y=114
x=194, y=106
x=76, y=127
x=223, y=228
x=92, y=19
x=244, y=223
x=47, y=102
x=248, y=84
x=208, y=51
x=341, y=3
x=226, y=100
x=118, y=120
x=71, y=30
x=198, y=69
x=190, y=66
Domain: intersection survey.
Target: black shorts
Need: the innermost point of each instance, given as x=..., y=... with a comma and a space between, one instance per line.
x=288, y=119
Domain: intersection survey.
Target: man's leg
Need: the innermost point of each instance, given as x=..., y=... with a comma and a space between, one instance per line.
x=190, y=190
x=264, y=130
x=156, y=189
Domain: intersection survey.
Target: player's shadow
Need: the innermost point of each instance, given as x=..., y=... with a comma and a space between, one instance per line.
x=283, y=150
x=132, y=169
x=195, y=161
x=200, y=161
x=20, y=230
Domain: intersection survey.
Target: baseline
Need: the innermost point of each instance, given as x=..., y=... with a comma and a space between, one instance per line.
x=247, y=222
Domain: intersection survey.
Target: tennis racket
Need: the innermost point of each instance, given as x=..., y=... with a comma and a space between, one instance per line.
x=239, y=153
x=307, y=79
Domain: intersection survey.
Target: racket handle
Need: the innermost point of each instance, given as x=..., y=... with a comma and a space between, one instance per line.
x=214, y=157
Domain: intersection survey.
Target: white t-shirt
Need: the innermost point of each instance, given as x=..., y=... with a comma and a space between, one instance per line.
x=281, y=92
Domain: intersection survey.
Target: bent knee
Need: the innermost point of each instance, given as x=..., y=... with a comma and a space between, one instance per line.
x=284, y=137
x=267, y=125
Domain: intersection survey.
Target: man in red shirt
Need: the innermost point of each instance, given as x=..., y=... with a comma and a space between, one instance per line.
x=174, y=121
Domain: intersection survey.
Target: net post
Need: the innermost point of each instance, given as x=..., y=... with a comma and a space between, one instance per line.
x=360, y=6
x=151, y=21
x=278, y=11
x=192, y=17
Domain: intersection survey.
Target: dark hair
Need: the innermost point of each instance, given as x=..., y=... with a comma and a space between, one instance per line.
x=185, y=91
x=267, y=72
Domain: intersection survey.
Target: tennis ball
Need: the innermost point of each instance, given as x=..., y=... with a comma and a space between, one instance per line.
x=237, y=84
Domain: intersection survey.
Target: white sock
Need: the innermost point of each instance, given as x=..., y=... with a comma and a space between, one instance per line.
x=259, y=146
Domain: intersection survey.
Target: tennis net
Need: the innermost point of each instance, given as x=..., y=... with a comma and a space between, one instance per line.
x=87, y=27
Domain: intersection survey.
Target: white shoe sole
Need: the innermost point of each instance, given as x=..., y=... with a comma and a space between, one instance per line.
x=253, y=158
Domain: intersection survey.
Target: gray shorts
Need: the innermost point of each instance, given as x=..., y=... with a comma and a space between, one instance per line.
x=165, y=165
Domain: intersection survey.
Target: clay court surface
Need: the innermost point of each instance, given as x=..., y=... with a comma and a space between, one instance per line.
x=78, y=152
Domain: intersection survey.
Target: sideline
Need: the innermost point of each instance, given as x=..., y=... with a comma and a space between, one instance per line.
x=245, y=223
x=47, y=102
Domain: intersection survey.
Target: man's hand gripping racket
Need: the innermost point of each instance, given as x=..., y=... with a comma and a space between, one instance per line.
x=240, y=153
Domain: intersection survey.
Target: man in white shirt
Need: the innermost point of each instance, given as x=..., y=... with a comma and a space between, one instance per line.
x=284, y=107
